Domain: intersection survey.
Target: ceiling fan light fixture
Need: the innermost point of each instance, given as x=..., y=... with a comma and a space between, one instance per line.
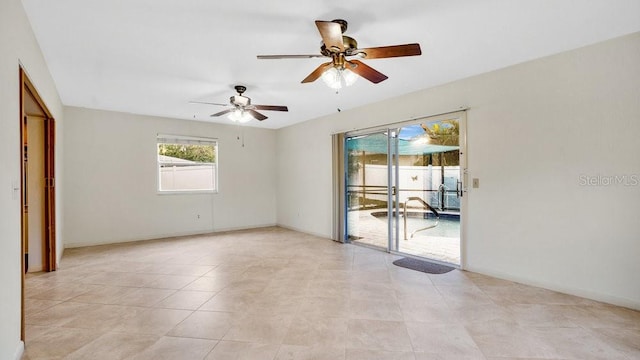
x=240, y=100
x=239, y=116
x=349, y=77
x=338, y=78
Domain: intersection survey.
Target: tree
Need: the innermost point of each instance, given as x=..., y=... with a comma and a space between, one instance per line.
x=446, y=133
x=198, y=153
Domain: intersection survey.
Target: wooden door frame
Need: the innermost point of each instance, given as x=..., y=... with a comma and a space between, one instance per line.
x=27, y=89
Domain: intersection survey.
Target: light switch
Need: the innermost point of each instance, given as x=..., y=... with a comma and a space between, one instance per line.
x=476, y=183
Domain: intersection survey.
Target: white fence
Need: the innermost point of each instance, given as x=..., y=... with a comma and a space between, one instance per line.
x=193, y=177
x=420, y=181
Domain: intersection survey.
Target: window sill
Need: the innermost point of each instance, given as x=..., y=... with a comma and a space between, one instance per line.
x=186, y=192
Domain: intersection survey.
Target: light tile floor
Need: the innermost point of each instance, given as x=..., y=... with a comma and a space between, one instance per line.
x=277, y=294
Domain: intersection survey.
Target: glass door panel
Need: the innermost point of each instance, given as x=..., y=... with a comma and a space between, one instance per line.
x=367, y=184
x=429, y=190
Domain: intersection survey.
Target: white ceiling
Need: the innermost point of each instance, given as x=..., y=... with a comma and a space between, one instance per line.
x=153, y=56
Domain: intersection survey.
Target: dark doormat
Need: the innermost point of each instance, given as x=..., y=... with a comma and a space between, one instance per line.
x=424, y=266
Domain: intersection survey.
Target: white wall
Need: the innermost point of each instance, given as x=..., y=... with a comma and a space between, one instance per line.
x=111, y=173
x=533, y=130
x=17, y=44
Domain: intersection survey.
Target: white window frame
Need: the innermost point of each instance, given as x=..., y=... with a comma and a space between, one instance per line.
x=187, y=140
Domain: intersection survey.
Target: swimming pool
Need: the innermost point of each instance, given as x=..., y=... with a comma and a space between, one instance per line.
x=448, y=226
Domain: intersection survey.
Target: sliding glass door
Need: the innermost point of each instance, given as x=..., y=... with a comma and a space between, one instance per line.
x=405, y=187
x=369, y=163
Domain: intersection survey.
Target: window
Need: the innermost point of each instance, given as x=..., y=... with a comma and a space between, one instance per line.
x=187, y=164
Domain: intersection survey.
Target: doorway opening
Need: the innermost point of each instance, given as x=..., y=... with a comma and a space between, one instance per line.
x=404, y=187
x=37, y=135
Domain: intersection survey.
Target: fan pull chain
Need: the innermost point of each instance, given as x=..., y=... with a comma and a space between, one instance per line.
x=240, y=135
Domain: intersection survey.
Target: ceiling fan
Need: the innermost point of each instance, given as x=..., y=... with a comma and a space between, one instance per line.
x=242, y=110
x=338, y=47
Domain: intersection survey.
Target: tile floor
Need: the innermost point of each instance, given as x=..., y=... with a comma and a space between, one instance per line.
x=277, y=294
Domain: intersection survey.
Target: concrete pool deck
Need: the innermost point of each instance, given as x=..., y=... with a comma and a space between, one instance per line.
x=373, y=231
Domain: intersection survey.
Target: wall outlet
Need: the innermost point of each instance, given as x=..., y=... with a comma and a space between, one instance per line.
x=15, y=189
x=476, y=183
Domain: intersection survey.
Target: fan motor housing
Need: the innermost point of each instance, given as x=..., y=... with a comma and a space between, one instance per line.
x=349, y=43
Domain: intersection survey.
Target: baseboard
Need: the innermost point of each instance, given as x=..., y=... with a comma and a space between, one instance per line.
x=35, y=268
x=19, y=351
x=240, y=228
x=164, y=236
x=325, y=236
x=587, y=294
x=59, y=253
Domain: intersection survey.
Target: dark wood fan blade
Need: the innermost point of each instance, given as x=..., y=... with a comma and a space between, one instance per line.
x=271, y=107
x=222, y=112
x=256, y=115
x=331, y=35
x=207, y=103
x=307, y=56
x=390, y=51
x=366, y=71
x=317, y=72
